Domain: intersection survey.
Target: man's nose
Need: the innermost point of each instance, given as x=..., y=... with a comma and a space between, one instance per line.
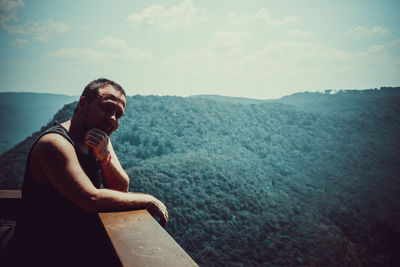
x=112, y=118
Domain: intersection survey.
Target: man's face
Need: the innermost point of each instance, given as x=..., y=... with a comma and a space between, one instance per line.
x=105, y=110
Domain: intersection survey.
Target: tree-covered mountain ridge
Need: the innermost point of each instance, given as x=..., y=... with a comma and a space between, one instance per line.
x=310, y=179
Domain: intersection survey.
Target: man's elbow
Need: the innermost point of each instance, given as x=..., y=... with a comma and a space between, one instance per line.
x=99, y=200
x=125, y=185
x=122, y=186
x=91, y=203
x=90, y=207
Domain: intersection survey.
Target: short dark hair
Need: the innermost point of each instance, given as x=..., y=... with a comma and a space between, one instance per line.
x=92, y=89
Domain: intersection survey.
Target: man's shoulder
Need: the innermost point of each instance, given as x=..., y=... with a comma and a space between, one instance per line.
x=52, y=143
x=49, y=151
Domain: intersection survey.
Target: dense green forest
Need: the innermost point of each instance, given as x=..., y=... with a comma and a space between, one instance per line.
x=312, y=179
x=21, y=114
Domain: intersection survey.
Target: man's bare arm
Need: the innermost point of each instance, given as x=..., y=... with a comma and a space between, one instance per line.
x=57, y=158
x=114, y=176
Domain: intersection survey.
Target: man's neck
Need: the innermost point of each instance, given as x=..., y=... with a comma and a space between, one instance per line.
x=77, y=132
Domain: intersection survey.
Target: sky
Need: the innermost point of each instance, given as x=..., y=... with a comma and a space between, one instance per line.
x=244, y=48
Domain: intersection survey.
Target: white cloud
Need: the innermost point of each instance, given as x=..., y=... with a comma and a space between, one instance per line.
x=182, y=16
x=262, y=17
x=40, y=31
x=359, y=32
x=384, y=56
x=83, y=28
x=8, y=10
x=281, y=65
x=284, y=64
x=104, y=51
x=376, y=49
x=227, y=41
x=300, y=33
x=21, y=43
x=110, y=43
x=285, y=58
x=219, y=55
x=81, y=55
x=299, y=64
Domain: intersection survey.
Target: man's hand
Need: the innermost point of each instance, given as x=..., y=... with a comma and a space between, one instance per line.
x=98, y=141
x=158, y=209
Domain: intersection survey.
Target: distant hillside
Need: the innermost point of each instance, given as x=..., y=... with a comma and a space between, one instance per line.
x=21, y=114
x=339, y=101
x=284, y=183
x=230, y=99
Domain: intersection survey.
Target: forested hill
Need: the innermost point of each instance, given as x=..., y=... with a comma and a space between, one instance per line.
x=241, y=100
x=340, y=101
x=33, y=109
x=308, y=180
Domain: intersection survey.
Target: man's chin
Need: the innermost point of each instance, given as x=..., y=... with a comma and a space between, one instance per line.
x=109, y=131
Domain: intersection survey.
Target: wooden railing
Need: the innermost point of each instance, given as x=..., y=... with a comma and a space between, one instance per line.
x=136, y=237
x=10, y=204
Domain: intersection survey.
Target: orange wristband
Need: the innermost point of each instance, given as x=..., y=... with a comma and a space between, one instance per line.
x=105, y=161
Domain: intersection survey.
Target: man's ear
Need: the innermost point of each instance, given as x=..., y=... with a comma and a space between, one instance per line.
x=82, y=102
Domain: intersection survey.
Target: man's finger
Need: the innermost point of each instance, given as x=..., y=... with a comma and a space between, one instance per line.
x=98, y=132
x=91, y=143
x=95, y=135
x=163, y=221
x=94, y=139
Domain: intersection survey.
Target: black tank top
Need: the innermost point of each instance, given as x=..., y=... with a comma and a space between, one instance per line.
x=51, y=227
x=33, y=189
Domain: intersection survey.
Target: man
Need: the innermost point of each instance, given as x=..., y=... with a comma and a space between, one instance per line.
x=62, y=185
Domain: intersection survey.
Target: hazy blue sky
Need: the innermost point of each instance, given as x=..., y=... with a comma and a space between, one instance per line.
x=259, y=49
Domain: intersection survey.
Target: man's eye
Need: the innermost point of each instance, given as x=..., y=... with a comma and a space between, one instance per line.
x=106, y=109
